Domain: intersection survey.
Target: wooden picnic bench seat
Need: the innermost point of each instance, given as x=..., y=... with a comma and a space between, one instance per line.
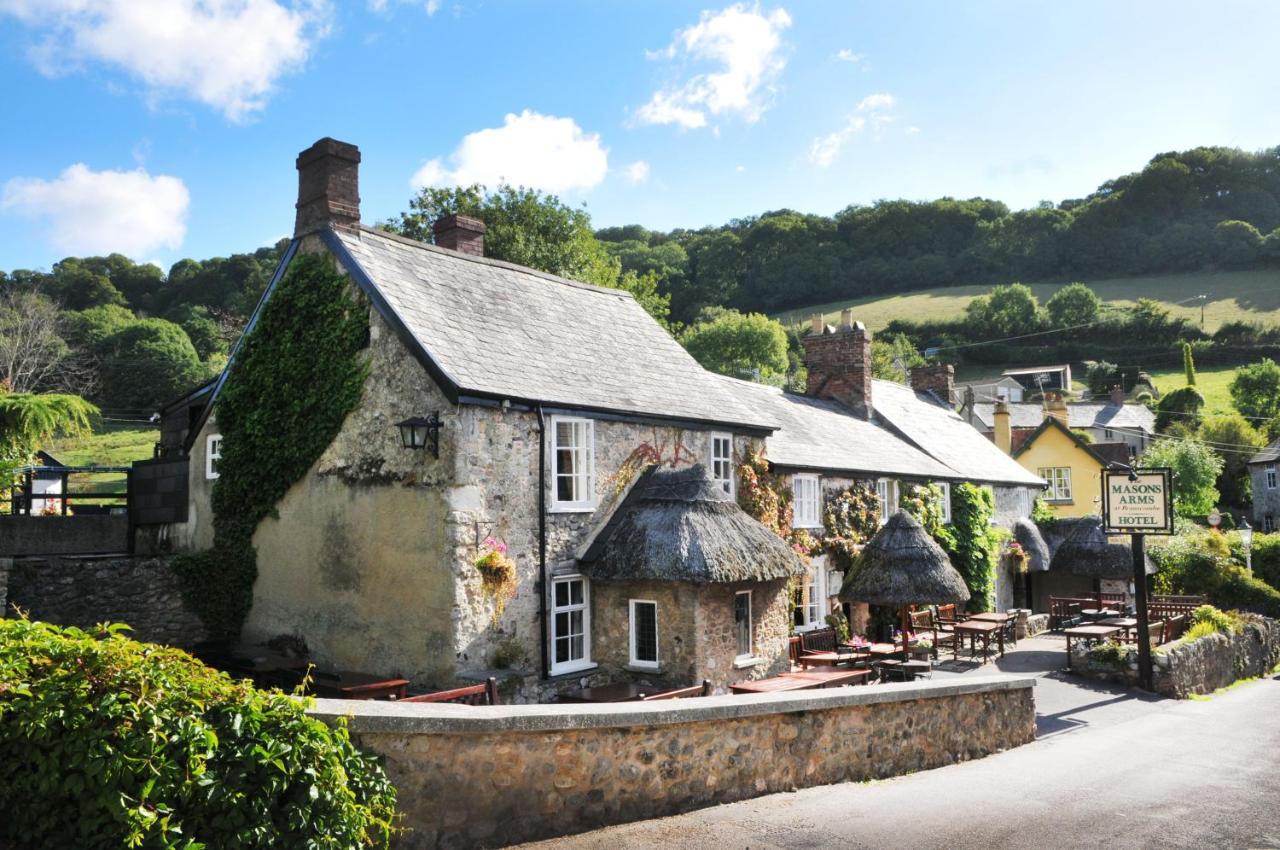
x=703, y=690
x=482, y=694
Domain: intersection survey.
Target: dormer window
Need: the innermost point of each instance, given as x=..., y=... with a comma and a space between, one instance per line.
x=805, y=506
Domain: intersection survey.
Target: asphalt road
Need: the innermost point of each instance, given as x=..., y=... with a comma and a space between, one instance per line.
x=1109, y=771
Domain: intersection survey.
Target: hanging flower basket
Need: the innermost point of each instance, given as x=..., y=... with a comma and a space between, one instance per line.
x=1017, y=558
x=497, y=574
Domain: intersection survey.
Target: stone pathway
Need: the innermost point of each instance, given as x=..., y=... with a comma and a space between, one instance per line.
x=1110, y=769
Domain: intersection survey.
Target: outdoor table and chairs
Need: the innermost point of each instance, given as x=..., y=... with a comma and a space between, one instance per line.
x=980, y=629
x=1091, y=633
x=1006, y=620
x=802, y=680
x=1126, y=624
x=633, y=692
x=346, y=684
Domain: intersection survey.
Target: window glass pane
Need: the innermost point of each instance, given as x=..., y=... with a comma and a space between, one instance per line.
x=646, y=631
x=562, y=594
x=742, y=622
x=575, y=591
x=562, y=650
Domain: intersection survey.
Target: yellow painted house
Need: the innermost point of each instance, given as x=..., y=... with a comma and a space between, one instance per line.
x=1071, y=466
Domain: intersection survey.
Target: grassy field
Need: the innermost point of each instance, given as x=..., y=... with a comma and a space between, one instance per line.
x=1248, y=296
x=112, y=445
x=1213, y=383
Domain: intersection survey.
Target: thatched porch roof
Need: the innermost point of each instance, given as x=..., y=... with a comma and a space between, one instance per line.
x=903, y=565
x=1080, y=548
x=679, y=525
x=1032, y=541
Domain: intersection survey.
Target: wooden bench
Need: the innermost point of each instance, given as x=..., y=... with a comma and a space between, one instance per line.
x=482, y=694
x=703, y=690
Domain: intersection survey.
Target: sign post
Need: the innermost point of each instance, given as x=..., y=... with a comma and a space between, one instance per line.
x=1139, y=502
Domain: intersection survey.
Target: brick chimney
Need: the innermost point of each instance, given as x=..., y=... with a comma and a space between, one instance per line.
x=460, y=233
x=938, y=378
x=1002, y=432
x=328, y=187
x=839, y=363
x=1117, y=394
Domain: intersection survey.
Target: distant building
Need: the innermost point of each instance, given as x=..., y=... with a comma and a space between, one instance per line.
x=1001, y=389
x=1041, y=379
x=1112, y=421
x=1266, y=489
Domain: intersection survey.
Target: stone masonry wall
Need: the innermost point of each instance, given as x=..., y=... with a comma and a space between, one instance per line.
x=486, y=777
x=1199, y=667
x=68, y=591
x=678, y=604
x=717, y=638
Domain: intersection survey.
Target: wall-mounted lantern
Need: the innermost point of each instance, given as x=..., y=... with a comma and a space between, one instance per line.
x=420, y=433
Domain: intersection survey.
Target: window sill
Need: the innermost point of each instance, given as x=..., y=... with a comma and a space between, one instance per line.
x=643, y=668
x=745, y=661
x=571, y=509
x=1059, y=501
x=817, y=527
x=567, y=671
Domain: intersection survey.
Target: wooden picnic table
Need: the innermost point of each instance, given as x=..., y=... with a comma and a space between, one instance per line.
x=993, y=616
x=1127, y=624
x=1099, y=613
x=831, y=659
x=616, y=692
x=347, y=684
x=1089, y=633
x=830, y=678
x=976, y=629
x=775, y=684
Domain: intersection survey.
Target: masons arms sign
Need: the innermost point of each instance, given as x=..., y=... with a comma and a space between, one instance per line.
x=1140, y=502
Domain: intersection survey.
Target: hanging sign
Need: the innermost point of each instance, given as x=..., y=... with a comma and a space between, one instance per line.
x=1140, y=502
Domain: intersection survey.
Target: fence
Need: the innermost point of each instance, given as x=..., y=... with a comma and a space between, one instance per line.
x=46, y=491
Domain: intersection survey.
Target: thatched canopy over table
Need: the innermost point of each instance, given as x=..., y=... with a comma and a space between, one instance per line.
x=902, y=565
x=1080, y=547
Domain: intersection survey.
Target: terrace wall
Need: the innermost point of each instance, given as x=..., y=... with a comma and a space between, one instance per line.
x=491, y=776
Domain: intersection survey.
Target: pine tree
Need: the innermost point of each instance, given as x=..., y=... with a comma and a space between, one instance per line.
x=1188, y=364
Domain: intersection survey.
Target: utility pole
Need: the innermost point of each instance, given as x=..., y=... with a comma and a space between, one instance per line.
x=1203, y=299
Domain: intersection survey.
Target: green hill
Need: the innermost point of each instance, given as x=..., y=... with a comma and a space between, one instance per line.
x=1251, y=296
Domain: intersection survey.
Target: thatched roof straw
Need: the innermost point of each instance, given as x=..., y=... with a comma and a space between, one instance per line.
x=1081, y=548
x=902, y=565
x=1028, y=535
x=679, y=525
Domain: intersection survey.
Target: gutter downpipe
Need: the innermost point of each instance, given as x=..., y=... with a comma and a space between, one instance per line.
x=542, y=540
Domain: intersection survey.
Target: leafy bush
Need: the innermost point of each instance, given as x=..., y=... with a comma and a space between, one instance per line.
x=1198, y=631
x=1200, y=563
x=1109, y=652
x=1219, y=621
x=106, y=743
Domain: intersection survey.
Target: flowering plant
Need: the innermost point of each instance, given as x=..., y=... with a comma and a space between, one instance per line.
x=1017, y=556
x=497, y=573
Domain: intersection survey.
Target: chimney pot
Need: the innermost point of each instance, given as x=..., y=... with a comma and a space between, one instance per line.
x=846, y=318
x=1001, y=426
x=1117, y=394
x=461, y=233
x=938, y=378
x=815, y=323
x=328, y=187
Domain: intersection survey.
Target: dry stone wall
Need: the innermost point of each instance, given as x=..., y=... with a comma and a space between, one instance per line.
x=486, y=777
x=70, y=591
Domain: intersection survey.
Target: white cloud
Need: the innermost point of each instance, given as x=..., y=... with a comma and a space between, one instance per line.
x=745, y=46
x=430, y=6
x=871, y=110
x=847, y=55
x=638, y=171
x=100, y=212
x=227, y=54
x=529, y=149
x=433, y=6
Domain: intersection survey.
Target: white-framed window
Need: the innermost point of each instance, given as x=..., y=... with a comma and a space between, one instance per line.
x=742, y=623
x=811, y=596
x=212, y=454
x=1268, y=523
x=1106, y=434
x=887, y=497
x=570, y=624
x=945, y=487
x=722, y=461
x=806, y=504
x=1271, y=477
x=573, y=480
x=1059, y=478
x=644, y=633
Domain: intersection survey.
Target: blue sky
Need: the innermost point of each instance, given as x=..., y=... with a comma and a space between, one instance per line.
x=169, y=129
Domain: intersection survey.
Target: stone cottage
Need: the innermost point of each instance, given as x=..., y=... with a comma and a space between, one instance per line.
x=546, y=399
x=1266, y=488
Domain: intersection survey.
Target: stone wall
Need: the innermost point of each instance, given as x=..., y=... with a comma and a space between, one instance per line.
x=485, y=777
x=1202, y=666
x=70, y=591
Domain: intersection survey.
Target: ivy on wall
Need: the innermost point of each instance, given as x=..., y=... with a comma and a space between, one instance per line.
x=974, y=547
x=764, y=494
x=295, y=379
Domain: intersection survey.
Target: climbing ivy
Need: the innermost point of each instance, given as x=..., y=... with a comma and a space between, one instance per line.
x=974, y=547
x=763, y=494
x=850, y=517
x=295, y=379
x=924, y=503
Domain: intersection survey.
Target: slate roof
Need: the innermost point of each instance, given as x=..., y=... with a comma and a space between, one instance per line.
x=501, y=331
x=1270, y=454
x=1102, y=453
x=938, y=430
x=1080, y=414
x=823, y=435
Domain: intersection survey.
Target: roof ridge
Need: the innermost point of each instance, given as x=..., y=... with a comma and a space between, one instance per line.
x=501, y=264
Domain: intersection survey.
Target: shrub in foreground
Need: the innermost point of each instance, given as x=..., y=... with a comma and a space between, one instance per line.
x=108, y=742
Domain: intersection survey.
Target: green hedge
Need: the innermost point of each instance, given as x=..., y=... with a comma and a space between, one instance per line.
x=1206, y=563
x=107, y=743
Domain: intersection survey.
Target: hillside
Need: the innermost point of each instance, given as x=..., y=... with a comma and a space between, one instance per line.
x=1251, y=296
